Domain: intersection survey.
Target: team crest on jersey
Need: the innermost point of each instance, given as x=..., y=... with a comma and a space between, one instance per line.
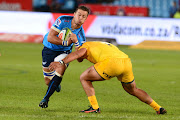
x=58, y=22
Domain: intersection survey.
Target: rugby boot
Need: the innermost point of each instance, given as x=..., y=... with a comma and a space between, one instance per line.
x=43, y=103
x=161, y=111
x=91, y=110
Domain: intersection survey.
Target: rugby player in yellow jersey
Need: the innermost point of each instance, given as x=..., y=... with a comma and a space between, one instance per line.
x=109, y=62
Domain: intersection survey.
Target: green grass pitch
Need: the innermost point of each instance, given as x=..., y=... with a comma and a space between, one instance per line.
x=22, y=87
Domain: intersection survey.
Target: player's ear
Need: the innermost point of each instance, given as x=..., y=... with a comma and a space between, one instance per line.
x=74, y=13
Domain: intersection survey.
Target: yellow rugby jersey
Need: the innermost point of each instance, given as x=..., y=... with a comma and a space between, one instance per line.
x=98, y=51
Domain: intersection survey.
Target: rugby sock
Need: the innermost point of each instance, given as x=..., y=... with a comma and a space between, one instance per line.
x=56, y=80
x=155, y=106
x=93, y=102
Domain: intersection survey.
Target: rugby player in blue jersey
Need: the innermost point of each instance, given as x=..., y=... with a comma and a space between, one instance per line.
x=56, y=49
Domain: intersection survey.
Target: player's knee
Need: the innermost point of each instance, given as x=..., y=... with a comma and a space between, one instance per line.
x=60, y=70
x=48, y=76
x=82, y=77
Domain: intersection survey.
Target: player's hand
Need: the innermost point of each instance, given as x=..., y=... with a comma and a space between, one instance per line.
x=54, y=65
x=69, y=41
x=73, y=37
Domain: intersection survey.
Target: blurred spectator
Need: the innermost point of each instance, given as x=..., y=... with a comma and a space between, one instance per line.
x=116, y=2
x=65, y=6
x=69, y=6
x=105, y=2
x=79, y=2
x=121, y=12
x=40, y=5
x=56, y=5
x=91, y=1
x=173, y=9
x=177, y=14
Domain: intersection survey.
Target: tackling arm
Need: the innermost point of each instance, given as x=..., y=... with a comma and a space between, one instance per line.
x=82, y=53
x=61, y=65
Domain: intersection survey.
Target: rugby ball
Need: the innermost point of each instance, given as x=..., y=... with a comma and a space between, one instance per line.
x=64, y=34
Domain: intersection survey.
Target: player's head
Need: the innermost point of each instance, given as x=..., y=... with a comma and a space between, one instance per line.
x=81, y=14
x=174, y=3
x=84, y=8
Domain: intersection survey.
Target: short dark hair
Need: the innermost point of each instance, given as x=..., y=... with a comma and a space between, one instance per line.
x=84, y=8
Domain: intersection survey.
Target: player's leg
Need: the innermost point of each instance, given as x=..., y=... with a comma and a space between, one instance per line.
x=140, y=94
x=48, y=75
x=52, y=78
x=48, y=56
x=86, y=78
x=99, y=72
x=129, y=85
x=143, y=96
x=57, y=59
x=53, y=85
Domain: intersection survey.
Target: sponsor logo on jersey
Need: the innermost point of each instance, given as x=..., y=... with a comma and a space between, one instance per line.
x=44, y=63
x=58, y=22
x=107, y=75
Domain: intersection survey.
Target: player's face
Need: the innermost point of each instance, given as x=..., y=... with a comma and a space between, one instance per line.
x=80, y=16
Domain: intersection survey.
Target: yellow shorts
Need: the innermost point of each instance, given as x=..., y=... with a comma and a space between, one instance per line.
x=116, y=67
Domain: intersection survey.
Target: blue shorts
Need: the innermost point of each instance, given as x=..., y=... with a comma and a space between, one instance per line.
x=48, y=55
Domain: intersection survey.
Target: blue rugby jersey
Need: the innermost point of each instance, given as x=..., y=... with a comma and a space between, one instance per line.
x=60, y=23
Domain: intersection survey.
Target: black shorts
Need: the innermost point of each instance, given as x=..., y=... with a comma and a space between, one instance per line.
x=48, y=56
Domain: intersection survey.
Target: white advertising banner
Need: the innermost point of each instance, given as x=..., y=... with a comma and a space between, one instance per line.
x=125, y=30
x=24, y=22
x=133, y=30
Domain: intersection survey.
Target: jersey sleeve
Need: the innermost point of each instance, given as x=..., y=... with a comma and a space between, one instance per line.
x=84, y=45
x=58, y=24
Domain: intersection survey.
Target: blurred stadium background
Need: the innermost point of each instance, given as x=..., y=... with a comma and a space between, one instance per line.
x=125, y=22
x=133, y=25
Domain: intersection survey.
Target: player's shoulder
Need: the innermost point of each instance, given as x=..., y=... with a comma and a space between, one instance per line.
x=84, y=45
x=87, y=44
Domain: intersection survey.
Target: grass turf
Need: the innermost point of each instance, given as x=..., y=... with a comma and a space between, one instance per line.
x=22, y=87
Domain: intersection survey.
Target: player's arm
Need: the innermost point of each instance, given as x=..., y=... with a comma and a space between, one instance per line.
x=52, y=38
x=80, y=54
x=81, y=58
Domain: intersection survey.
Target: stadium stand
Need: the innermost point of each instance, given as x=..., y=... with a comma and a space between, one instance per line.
x=157, y=8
